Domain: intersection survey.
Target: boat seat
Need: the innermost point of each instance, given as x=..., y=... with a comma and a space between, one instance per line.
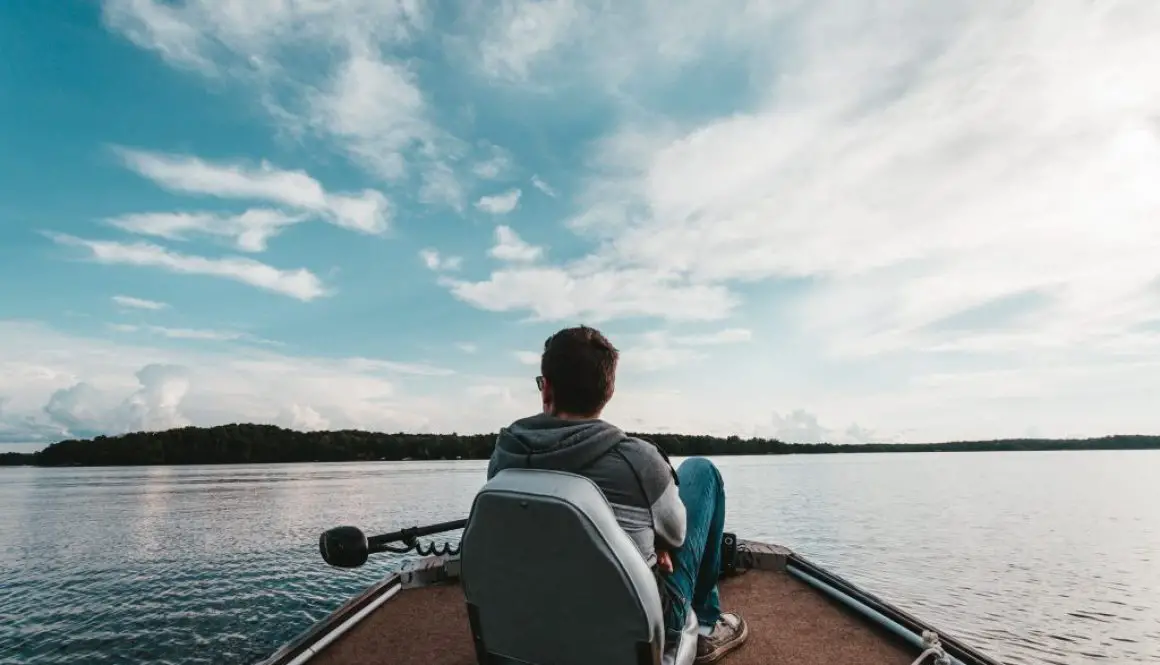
x=550, y=578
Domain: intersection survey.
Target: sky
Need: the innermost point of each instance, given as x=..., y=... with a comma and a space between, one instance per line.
x=839, y=220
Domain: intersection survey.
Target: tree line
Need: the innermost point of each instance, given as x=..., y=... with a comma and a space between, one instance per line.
x=266, y=444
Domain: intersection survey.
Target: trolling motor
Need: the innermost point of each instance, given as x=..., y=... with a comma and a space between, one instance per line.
x=349, y=547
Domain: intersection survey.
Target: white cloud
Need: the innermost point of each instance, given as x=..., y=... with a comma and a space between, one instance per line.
x=510, y=247
x=250, y=231
x=496, y=166
x=139, y=303
x=527, y=357
x=467, y=347
x=440, y=185
x=84, y=410
x=800, y=426
x=436, y=261
x=659, y=350
x=548, y=45
x=499, y=204
x=196, y=334
x=158, y=26
x=365, y=212
x=362, y=98
x=156, y=405
x=375, y=110
x=726, y=336
x=920, y=162
x=79, y=407
x=108, y=387
x=223, y=38
x=305, y=419
x=585, y=290
x=521, y=31
x=416, y=369
x=191, y=175
x=300, y=284
x=656, y=356
x=544, y=187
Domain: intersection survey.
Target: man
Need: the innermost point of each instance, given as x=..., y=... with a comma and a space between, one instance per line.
x=675, y=519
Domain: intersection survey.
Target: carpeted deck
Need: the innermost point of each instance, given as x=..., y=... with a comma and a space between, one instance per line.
x=789, y=624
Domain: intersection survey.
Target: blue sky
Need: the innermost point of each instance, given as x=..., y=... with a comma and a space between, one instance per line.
x=819, y=221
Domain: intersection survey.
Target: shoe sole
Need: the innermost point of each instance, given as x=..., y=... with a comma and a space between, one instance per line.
x=720, y=652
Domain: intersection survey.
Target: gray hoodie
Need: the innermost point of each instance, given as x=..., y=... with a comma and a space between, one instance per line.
x=635, y=478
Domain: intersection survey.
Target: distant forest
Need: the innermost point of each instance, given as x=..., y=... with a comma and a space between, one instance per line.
x=264, y=444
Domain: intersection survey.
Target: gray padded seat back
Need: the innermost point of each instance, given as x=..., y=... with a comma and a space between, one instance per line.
x=550, y=578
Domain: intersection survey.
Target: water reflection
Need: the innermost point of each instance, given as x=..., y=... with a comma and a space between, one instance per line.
x=1035, y=557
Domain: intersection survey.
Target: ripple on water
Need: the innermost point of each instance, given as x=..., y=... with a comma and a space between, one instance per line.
x=224, y=610
x=185, y=566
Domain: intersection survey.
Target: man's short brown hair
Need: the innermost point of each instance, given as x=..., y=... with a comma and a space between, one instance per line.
x=580, y=365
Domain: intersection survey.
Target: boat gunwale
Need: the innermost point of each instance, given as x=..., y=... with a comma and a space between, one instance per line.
x=952, y=645
x=317, y=631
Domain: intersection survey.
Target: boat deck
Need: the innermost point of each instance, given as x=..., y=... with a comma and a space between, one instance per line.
x=788, y=623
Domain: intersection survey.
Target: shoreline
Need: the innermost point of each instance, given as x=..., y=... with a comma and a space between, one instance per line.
x=270, y=444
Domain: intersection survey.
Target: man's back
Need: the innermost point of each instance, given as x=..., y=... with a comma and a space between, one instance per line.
x=637, y=481
x=577, y=380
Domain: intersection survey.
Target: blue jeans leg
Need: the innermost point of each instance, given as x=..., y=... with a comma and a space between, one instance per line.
x=697, y=563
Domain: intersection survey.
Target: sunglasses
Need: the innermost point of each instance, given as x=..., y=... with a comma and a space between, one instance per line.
x=540, y=382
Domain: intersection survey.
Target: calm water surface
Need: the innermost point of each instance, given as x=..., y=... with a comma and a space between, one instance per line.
x=1033, y=557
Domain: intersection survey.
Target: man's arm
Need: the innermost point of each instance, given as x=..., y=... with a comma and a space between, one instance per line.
x=660, y=489
x=669, y=517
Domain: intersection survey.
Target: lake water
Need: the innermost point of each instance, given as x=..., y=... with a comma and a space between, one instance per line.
x=1033, y=557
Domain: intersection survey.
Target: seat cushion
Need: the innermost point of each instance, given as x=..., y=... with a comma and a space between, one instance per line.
x=550, y=577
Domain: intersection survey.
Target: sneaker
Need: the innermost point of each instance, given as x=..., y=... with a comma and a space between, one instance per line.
x=728, y=633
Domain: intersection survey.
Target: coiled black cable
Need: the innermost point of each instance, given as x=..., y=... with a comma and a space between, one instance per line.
x=430, y=549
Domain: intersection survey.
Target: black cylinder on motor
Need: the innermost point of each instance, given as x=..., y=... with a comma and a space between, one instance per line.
x=344, y=546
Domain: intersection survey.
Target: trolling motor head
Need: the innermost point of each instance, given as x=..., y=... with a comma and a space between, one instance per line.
x=349, y=547
x=344, y=546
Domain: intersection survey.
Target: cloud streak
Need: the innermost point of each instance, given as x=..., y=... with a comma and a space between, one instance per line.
x=192, y=334
x=139, y=303
x=586, y=290
x=544, y=187
x=250, y=231
x=366, y=212
x=300, y=284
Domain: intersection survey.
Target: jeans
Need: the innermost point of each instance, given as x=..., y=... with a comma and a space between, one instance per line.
x=697, y=563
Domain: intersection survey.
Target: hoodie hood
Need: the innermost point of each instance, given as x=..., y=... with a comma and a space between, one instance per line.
x=544, y=441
